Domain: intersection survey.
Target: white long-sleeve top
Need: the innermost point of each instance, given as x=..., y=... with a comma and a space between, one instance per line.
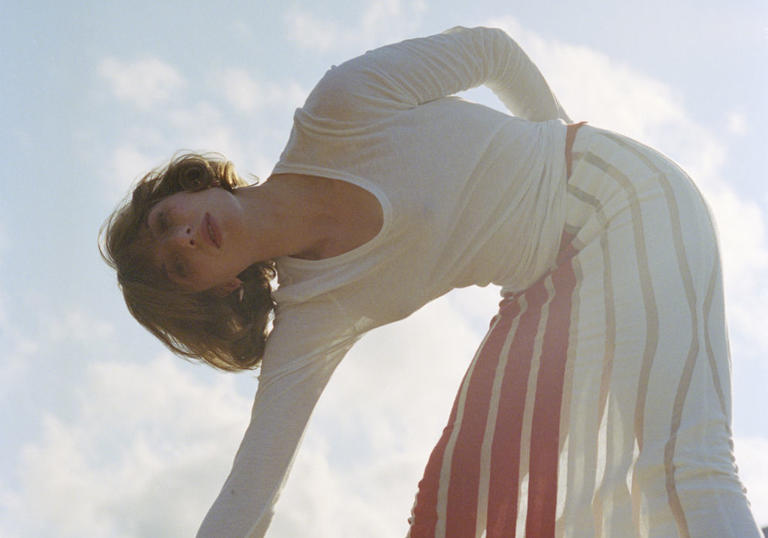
x=469, y=196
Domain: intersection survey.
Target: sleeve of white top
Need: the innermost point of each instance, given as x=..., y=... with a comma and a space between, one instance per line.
x=302, y=353
x=416, y=71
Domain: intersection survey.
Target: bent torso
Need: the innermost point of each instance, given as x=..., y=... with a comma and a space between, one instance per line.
x=356, y=215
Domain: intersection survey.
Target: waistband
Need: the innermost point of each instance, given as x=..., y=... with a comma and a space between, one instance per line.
x=570, y=138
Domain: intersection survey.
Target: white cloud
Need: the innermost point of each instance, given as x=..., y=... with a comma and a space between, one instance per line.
x=255, y=162
x=144, y=455
x=143, y=83
x=241, y=90
x=737, y=123
x=357, y=472
x=199, y=127
x=3, y=248
x=382, y=21
x=333, y=501
x=742, y=226
x=78, y=326
x=594, y=87
x=388, y=20
x=381, y=12
x=311, y=32
x=18, y=354
x=197, y=118
x=127, y=165
x=39, y=352
x=247, y=95
x=3, y=311
x=202, y=127
x=750, y=455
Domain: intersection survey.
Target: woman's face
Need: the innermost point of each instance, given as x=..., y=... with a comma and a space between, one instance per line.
x=193, y=238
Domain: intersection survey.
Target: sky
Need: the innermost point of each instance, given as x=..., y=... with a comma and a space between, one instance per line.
x=106, y=434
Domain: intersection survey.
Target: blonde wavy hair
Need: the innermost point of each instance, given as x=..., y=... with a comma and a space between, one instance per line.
x=229, y=332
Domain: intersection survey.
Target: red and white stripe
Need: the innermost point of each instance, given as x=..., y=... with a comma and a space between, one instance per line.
x=467, y=484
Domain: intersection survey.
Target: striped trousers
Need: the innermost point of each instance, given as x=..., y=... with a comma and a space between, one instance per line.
x=598, y=404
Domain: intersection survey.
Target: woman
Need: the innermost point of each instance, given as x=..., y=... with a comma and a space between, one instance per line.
x=597, y=405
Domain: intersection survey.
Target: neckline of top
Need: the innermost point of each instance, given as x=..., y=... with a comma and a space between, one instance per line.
x=363, y=183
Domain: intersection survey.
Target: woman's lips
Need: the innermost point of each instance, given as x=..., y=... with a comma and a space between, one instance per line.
x=212, y=231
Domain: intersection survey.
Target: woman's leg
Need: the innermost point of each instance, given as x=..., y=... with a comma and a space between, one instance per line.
x=598, y=404
x=651, y=454
x=504, y=425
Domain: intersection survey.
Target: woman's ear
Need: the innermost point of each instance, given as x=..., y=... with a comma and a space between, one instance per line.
x=229, y=287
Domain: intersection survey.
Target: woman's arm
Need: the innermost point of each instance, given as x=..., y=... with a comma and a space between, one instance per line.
x=302, y=352
x=416, y=71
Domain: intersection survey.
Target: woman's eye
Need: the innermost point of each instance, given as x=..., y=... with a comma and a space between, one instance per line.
x=159, y=224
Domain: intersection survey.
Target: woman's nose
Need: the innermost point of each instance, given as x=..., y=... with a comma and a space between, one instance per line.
x=182, y=236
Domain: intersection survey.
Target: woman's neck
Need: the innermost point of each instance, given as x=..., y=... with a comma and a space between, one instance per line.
x=288, y=215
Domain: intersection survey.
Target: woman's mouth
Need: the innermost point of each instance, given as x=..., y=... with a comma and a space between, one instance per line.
x=212, y=232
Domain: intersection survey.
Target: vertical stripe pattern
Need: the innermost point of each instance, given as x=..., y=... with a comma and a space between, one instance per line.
x=598, y=404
